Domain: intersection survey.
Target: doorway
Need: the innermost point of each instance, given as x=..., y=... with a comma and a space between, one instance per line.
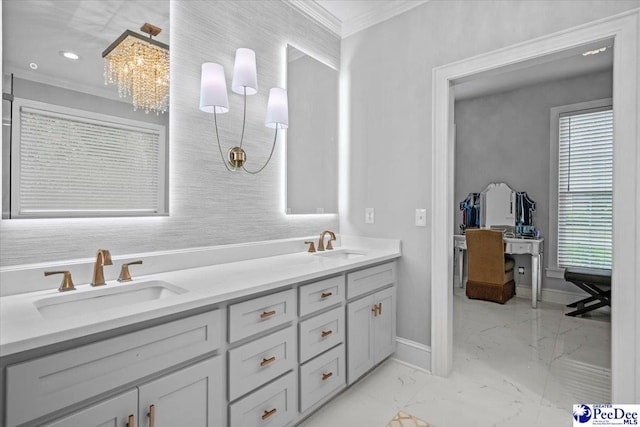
x=626, y=233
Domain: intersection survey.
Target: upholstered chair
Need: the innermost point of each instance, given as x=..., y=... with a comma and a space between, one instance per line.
x=490, y=272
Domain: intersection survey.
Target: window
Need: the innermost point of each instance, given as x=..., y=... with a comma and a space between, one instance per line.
x=73, y=163
x=584, y=192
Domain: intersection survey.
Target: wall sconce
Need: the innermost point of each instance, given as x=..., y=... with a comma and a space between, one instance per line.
x=213, y=99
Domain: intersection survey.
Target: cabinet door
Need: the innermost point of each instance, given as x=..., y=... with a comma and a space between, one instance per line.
x=359, y=338
x=384, y=324
x=112, y=412
x=192, y=397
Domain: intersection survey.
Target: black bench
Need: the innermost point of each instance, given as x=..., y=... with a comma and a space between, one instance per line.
x=589, y=280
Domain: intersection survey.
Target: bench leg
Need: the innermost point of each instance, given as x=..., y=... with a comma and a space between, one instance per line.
x=596, y=293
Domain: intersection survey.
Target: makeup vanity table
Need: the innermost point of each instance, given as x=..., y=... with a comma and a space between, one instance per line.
x=500, y=207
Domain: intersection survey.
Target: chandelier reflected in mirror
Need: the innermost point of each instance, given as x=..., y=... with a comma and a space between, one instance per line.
x=139, y=66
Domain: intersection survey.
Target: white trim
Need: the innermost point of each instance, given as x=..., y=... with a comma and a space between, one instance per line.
x=382, y=12
x=625, y=321
x=555, y=273
x=313, y=10
x=385, y=11
x=555, y=296
x=413, y=354
x=554, y=141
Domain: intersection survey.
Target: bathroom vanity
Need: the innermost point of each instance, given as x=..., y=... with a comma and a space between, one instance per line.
x=267, y=347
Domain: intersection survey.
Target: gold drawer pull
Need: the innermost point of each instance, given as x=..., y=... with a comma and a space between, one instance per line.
x=375, y=310
x=380, y=309
x=267, y=414
x=266, y=362
x=152, y=415
x=326, y=295
x=326, y=333
x=326, y=376
x=266, y=314
x=131, y=421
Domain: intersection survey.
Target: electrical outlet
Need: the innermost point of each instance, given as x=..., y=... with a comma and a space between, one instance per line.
x=369, y=216
x=421, y=217
x=520, y=270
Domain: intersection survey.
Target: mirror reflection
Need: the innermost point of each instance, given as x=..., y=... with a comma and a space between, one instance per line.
x=52, y=58
x=312, y=136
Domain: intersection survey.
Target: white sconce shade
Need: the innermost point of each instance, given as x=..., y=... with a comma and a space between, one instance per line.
x=213, y=89
x=244, y=72
x=277, y=109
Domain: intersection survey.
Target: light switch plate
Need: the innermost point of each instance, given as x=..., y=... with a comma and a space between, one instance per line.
x=421, y=217
x=369, y=216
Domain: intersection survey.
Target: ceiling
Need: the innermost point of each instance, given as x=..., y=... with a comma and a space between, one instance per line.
x=561, y=65
x=35, y=31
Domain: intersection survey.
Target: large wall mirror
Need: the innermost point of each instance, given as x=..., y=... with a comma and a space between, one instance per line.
x=45, y=91
x=312, y=136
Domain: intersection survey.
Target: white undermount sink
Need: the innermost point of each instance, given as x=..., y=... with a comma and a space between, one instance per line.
x=339, y=254
x=73, y=303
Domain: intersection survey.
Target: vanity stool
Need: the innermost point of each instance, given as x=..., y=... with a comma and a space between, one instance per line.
x=589, y=280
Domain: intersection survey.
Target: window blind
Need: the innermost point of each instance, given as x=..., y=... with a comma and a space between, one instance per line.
x=74, y=166
x=585, y=189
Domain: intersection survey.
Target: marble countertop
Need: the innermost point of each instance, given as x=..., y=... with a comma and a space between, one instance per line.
x=24, y=327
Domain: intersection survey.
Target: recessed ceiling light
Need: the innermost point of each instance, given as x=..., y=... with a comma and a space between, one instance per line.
x=595, y=51
x=69, y=55
x=33, y=66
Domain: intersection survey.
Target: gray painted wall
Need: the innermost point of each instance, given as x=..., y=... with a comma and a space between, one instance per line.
x=505, y=138
x=208, y=205
x=386, y=77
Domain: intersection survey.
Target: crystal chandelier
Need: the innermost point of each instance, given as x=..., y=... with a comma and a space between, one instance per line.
x=140, y=68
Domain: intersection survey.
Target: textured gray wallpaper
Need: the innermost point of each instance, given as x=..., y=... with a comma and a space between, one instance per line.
x=208, y=205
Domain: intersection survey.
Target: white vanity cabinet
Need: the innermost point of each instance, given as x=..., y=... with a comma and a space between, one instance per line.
x=371, y=318
x=45, y=385
x=191, y=397
x=264, y=358
x=322, y=334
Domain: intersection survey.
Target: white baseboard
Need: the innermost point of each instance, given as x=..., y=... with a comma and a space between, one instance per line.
x=556, y=296
x=551, y=295
x=413, y=354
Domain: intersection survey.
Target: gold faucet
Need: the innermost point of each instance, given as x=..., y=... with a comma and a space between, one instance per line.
x=103, y=257
x=331, y=238
x=67, y=283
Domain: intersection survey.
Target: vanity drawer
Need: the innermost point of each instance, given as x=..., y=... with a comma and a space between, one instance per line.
x=519, y=248
x=318, y=295
x=41, y=386
x=273, y=405
x=260, y=314
x=322, y=376
x=321, y=333
x=368, y=280
x=260, y=361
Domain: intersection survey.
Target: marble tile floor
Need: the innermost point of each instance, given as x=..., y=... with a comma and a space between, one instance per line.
x=513, y=366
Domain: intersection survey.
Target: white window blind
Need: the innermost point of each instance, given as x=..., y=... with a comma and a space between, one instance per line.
x=585, y=188
x=70, y=163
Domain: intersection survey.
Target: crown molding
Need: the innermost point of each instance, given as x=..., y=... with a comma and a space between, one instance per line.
x=386, y=10
x=317, y=13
